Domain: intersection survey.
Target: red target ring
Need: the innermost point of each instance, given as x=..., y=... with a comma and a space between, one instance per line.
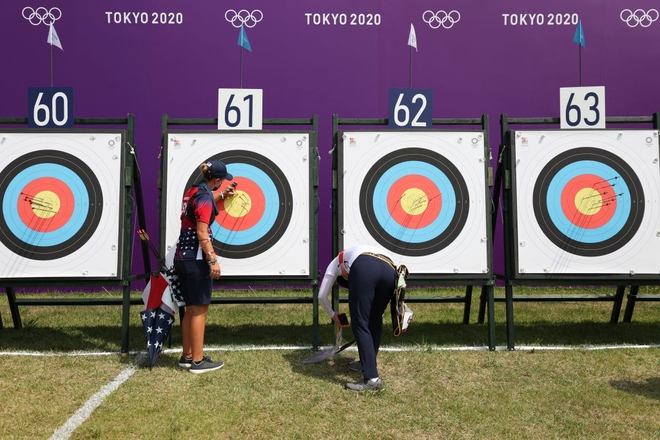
x=49, y=206
x=588, y=201
x=245, y=209
x=414, y=201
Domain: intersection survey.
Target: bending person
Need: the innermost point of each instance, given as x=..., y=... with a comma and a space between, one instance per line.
x=370, y=276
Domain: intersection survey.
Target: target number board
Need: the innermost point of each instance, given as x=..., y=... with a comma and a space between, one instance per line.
x=240, y=109
x=582, y=107
x=264, y=230
x=420, y=195
x=62, y=204
x=50, y=107
x=586, y=202
x=410, y=108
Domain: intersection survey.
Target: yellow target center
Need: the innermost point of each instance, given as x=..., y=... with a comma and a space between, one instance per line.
x=239, y=205
x=588, y=201
x=414, y=201
x=45, y=204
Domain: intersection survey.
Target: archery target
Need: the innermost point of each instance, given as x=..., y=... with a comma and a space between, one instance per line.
x=61, y=202
x=264, y=229
x=586, y=202
x=420, y=195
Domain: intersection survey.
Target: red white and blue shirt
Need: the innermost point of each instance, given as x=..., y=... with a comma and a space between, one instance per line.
x=197, y=206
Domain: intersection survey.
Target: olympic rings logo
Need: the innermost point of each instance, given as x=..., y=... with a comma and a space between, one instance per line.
x=41, y=15
x=639, y=17
x=244, y=17
x=441, y=18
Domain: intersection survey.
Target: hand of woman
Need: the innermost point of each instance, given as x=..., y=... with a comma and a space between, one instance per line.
x=229, y=192
x=215, y=270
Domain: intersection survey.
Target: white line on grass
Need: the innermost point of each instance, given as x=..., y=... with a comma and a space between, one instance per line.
x=77, y=419
x=300, y=347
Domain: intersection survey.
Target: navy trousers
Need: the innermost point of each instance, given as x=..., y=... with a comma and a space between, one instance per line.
x=370, y=288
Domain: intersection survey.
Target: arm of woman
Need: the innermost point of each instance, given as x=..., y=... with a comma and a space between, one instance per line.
x=207, y=247
x=329, y=278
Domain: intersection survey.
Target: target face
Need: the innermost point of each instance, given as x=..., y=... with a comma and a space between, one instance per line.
x=586, y=202
x=264, y=228
x=420, y=195
x=61, y=201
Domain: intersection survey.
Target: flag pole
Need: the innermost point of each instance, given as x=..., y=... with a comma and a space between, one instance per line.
x=51, y=65
x=578, y=38
x=410, y=66
x=580, y=55
x=412, y=42
x=241, y=72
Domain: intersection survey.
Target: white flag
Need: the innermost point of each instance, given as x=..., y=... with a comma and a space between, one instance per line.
x=53, y=38
x=412, y=38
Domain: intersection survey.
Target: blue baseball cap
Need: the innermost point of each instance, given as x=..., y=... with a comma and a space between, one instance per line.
x=217, y=169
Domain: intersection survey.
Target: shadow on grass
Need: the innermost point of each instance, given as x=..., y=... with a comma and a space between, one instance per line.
x=334, y=370
x=649, y=388
x=586, y=333
x=419, y=335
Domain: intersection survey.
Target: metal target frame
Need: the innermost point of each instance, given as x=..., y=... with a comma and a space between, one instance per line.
x=504, y=181
x=130, y=197
x=281, y=126
x=485, y=280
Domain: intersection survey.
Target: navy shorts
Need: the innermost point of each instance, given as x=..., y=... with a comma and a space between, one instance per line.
x=196, y=281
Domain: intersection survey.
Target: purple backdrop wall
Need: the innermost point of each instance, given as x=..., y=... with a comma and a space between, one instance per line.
x=328, y=57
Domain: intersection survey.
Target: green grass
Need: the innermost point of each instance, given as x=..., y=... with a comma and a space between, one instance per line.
x=432, y=391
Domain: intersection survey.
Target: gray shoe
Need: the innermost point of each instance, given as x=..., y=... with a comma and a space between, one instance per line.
x=356, y=366
x=205, y=365
x=185, y=362
x=366, y=385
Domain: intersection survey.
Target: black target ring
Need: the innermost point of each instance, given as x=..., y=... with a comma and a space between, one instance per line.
x=260, y=171
x=89, y=201
x=407, y=162
x=634, y=194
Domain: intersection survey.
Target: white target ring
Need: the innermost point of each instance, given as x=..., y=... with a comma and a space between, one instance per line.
x=420, y=195
x=586, y=202
x=265, y=229
x=62, y=198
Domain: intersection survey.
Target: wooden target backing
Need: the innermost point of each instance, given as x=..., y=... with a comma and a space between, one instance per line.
x=265, y=229
x=420, y=195
x=62, y=204
x=586, y=202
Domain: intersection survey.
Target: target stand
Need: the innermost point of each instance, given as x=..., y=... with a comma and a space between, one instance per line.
x=67, y=210
x=581, y=208
x=266, y=234
x=422, y=195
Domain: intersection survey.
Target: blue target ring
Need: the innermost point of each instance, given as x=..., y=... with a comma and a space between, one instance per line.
x=568, y=227
x=14, y=192
x=394, y=235
x=395, y=229
x=242, y=171
x=608, y=238
x=29, y=241
x=274, y=196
